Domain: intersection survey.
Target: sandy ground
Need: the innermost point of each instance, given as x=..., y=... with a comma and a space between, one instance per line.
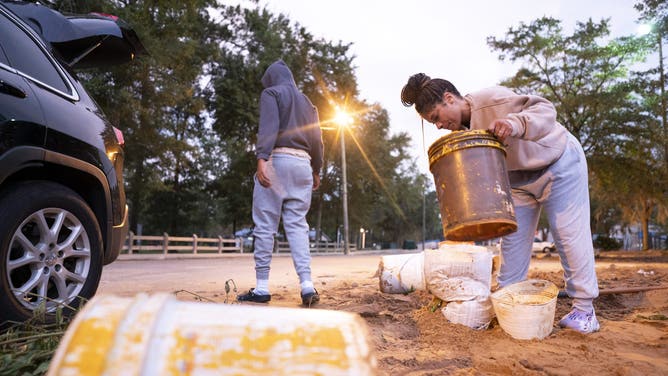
x=412, y=338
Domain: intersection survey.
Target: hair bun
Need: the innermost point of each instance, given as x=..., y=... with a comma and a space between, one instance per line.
x=412, y=89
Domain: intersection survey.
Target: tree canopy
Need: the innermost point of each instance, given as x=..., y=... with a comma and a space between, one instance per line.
x=189, y=113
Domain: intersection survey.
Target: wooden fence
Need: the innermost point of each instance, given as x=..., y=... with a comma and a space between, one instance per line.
x=165, y=246
x=175, y=246
x=322, y=247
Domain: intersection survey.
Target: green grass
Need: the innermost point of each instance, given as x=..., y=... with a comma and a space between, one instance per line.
x=27, y=348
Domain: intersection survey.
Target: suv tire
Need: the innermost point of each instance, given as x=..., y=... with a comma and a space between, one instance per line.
x=50, y=251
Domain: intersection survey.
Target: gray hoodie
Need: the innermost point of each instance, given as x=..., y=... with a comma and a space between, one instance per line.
x=287, y=117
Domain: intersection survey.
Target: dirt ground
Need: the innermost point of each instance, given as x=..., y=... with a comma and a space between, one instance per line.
x=410, y=338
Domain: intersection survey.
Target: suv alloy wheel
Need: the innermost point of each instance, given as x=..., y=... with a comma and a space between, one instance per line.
x=51, y=249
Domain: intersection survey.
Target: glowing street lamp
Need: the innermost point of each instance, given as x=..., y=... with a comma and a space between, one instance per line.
x=343, y=119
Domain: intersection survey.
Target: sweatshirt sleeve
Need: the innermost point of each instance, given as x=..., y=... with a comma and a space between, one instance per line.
x=269, y=125
x=316, y=144
x=536, y=118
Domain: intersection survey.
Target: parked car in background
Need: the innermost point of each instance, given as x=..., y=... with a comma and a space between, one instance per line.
x=323, y=237
x=63, y=212
x=247, y=239
x=540, y=246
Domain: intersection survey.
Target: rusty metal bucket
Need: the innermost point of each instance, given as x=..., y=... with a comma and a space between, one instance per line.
x=474, y=196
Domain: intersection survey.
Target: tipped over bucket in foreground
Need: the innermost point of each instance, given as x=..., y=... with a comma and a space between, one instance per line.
x=525, y=310
x=474, y=196
x=158, y=335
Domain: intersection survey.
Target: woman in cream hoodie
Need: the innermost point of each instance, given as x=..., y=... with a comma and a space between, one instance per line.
x=547, y=170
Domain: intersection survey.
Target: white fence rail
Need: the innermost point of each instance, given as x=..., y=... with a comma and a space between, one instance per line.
x=165, y=246
x=322, y=247
x=175, y=246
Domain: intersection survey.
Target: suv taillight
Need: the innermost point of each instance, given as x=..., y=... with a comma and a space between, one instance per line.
x=105, y=15
x=119, y=136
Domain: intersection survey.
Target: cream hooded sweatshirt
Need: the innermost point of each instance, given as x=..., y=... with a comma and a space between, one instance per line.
x=537, y=139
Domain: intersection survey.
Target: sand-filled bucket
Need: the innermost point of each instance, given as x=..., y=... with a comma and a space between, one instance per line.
x=158, y=335
x=458, y=271
x=476, y=314
x=525, y=310
x=472, y=186
x=400, y=274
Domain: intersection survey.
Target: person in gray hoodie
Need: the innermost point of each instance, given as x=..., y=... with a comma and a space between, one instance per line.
x=289, y=154
x=547, y=170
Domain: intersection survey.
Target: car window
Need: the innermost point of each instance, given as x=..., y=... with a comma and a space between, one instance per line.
x=3, y=56
x=24, y=55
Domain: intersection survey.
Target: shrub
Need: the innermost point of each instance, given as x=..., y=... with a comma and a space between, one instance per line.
x=607, y=243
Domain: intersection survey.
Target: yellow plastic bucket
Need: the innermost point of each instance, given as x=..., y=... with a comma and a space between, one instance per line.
x=525, y=310
x=159, y=335
x=472, y=186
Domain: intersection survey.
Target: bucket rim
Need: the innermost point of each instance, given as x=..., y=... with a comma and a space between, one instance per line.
x=459, y=140
x=549, y=290
x=511, y=226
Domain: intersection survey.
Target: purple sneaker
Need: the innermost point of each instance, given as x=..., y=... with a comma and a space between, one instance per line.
x=583, y=322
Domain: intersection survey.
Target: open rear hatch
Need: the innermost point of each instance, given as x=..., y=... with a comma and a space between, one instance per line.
x=82, y=41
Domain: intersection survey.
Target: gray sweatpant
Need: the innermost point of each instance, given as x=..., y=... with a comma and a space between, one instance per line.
x=288, y=197
x=562, y=190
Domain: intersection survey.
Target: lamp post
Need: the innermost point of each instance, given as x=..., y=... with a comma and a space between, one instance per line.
x=343, y=120
x=363, y=238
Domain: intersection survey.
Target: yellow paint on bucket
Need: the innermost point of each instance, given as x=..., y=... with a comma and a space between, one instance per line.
x=159, y=335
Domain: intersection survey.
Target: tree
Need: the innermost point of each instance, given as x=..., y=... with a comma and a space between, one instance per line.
x=587, y=76
x=251, y=40
x=651, y=86
x=158, y=102
x=189, y=113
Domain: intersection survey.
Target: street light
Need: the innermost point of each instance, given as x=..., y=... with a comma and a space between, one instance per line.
x=343, y=119
x=363, y=238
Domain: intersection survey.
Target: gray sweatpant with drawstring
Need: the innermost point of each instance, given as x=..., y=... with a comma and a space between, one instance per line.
x=289, y=198
x=562, y=190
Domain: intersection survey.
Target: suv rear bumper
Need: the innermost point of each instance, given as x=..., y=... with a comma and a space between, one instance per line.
x=118, y=235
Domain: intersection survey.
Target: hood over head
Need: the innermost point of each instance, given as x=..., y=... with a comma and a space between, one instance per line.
x=278, y=73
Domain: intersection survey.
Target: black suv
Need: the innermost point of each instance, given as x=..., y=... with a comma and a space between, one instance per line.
x=63, y=213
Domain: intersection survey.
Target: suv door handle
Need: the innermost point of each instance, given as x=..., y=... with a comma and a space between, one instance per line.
x=12, y=90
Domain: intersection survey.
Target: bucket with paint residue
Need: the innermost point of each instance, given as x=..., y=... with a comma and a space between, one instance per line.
x=458, y=271
x=158, y=335
x=472, y=186
x=525, y=310
x=401, y=274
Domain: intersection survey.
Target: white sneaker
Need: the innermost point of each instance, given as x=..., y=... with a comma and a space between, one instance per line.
x=583, y=322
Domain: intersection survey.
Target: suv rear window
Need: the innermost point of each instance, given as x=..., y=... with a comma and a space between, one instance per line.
x=26, y=56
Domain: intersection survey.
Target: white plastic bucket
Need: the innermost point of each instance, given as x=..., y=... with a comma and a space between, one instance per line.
x=525, y=310
x=159, y=335
x=458, y=261
x=476, y=314
x=400, y=274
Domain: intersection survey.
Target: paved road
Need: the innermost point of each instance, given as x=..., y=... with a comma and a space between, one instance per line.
x=208, y=275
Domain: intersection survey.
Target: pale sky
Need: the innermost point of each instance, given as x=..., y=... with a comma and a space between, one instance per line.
x=392, y=40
